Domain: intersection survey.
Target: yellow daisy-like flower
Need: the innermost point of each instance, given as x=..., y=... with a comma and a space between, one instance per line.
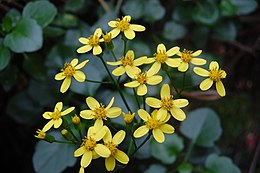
x=187, y=56
x=90, y=148
x=127, y=62
x=141, y=79
x=168, y=104
x=40, y=134
x=162, y=56
x=116, y=154
x=215, y=74
x=55, y=116
x=92, y=42
x=123, y=25
x=155, y=123
x=129, y=117
x=99, y=112
x=71, y=69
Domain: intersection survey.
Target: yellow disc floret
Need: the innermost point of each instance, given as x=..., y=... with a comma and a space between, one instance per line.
x=161, y=56
x=100, y=113
x=142, y=78
x=186, y=55
x=89, y=143
x=167, y=102
x=152, y=123
x=123, y=24
x=68, y=70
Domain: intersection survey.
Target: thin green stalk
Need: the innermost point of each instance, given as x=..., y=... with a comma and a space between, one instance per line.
x=144, y=102
x=113, y=54
x=146, y=139
x=190, y=148
x=136, y=98
x=183, y=82
x=93, y=81
x=64, y=142
x=169, y=76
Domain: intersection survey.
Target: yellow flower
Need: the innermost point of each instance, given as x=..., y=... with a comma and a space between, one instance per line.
x=70, y=70
x=215, y=74
x=162, y=56
x=128, y=118
x=156, y=124
x=40, y=134
x=127, y=62
x=168, y=104
x=188, y=56
x=142, y=79
x=123, y=25
x=99, y=112
x=107, y=37
x=75, y=120
x=55, y=116
x=92, y=42
x=90, y=148
x=116, y=154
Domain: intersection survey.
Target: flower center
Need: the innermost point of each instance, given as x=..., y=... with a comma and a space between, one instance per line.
x=128, y=118
x=152, y=123
x=141, y=78
x=107, y=37
x=161, y=56
x=93, y=40
x=186, y=55
x=112, y=147
x=122, y=25
x=167, y=103
x=89, y=143
x=56, y=115
x=68, y=70
x=216, y=75
x=127, y=60
x=100, y=113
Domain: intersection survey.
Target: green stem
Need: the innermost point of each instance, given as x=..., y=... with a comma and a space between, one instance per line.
x=144, y=102
x=93, y=81
x=146, y=139
x=136, y=98
x=169, y=76
x=183, y=83
x=64, y=142
x=187, y=156
x=113, y=54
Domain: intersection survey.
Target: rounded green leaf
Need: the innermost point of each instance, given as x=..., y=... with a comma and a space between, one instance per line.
x=133, y=8
x=41, y=11
x=183, y=14
x=26, y=37
x=227, y=8
x=4, y=57
x=245, y=7
x=168, y=151
x=153, y=10
x=156, y=168
x=225, y=31
x=174, y=31
x=202, y=126
x=184, y=168
x=220, y=164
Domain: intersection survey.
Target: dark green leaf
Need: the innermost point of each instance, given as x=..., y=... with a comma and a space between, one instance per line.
x=51, y=31
x=156, y=168
x=153, y=10
x=200, y=36
x=41, y=11
x=227, y=8
x=14, y=15
x=185, y=168
x=220, y=164
x=225, y=31
x=183, y=14
x=74, y=5
x=5, y=57
x=245, y=7
x=174, y=31
x=66, y=20
x=202, y=126
x=7, y=24
x=26, y=37
x=133, y=8
x=8, y=77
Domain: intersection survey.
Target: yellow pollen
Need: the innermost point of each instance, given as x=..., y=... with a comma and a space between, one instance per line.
x=216, y=75
x=107, y=37
x=152, y=123
x=100, y=113
x=186, y=55
x=127, y=60
x=89, y=143
x=161, y=56
x=56, y=115
x=93, y=40
x=112, y=147
x=128, y=118
x=122, y=25
x=142, y=78
x=167, y=103
x=68, y=70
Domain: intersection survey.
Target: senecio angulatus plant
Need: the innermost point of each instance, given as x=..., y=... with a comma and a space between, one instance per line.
x=153, y=114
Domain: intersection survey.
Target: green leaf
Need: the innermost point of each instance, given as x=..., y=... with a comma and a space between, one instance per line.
x=202, y=126
x=174, y=31
x=183, y=14
x=5, y=57
x=200, y=36
x=206, y=13
x=168, y=151
x=227, y=8
x=220, y=164
x=26, y=37
x=14, y=15
x=185, y=168
x=153, y=11
x=133, y=8
x=53, y=157
x=225, y=31
x=8, y=77
x=245, y=7
x=41, y=11
x=156, y=168
x=7, y=24
x=74, y=5
x=66, y=20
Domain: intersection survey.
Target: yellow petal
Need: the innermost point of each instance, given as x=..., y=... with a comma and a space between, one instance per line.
x=214, y=65
x=173, y=62
x=79, y=151
x=198, y=61
x=140, y=61
x=137, y=28
x=153, y=102
x=206, y=84
x=173, y=51
x=113, y=112
x=201, y=72
x=83, y=40
x=130, y=54
x=115, y=32
x=108, y=136
x=84, y=49
x=143, y=114
x=180, y=103
x=114, y=63
x=86, y=159
x=81, y=65
x=110, y=163
x=102, y=150
x=112, y=24
x=119, y=137
x=165, y=91
x=154, y=69
x=98, y=32
x=127, y=18
x=58, y=106
x=121, y=157
x=132, y=84
x=161, y=48
x=48, y=125
x=57, y=123
x=141, y=131
x=154, y=80
x=97, y=50
x=220, y=88
x=92, y=103
x=67, y=111
x=87, y=114
x=47, y=115
x=178, y=114
x=129, y=34
x=74, y=62
x=223, y=74
x=118, y=71
x=60, y=76
x=183, y=66
x=166, y=128
x=100, y=133
x=161, y=114
x=158, y=135
x=110, y=103
x=79, y=76
x=142, y=90
x=81, y=170
x=197, y=53
x=98, y=125
x=149, y=60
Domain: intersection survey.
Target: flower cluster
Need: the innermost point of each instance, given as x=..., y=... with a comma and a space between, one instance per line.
x=102, y=137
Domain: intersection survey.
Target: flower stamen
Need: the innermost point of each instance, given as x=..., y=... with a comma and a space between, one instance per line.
x=122, y=25
x=68, y=70
x=161, y=56
x=186, y=55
